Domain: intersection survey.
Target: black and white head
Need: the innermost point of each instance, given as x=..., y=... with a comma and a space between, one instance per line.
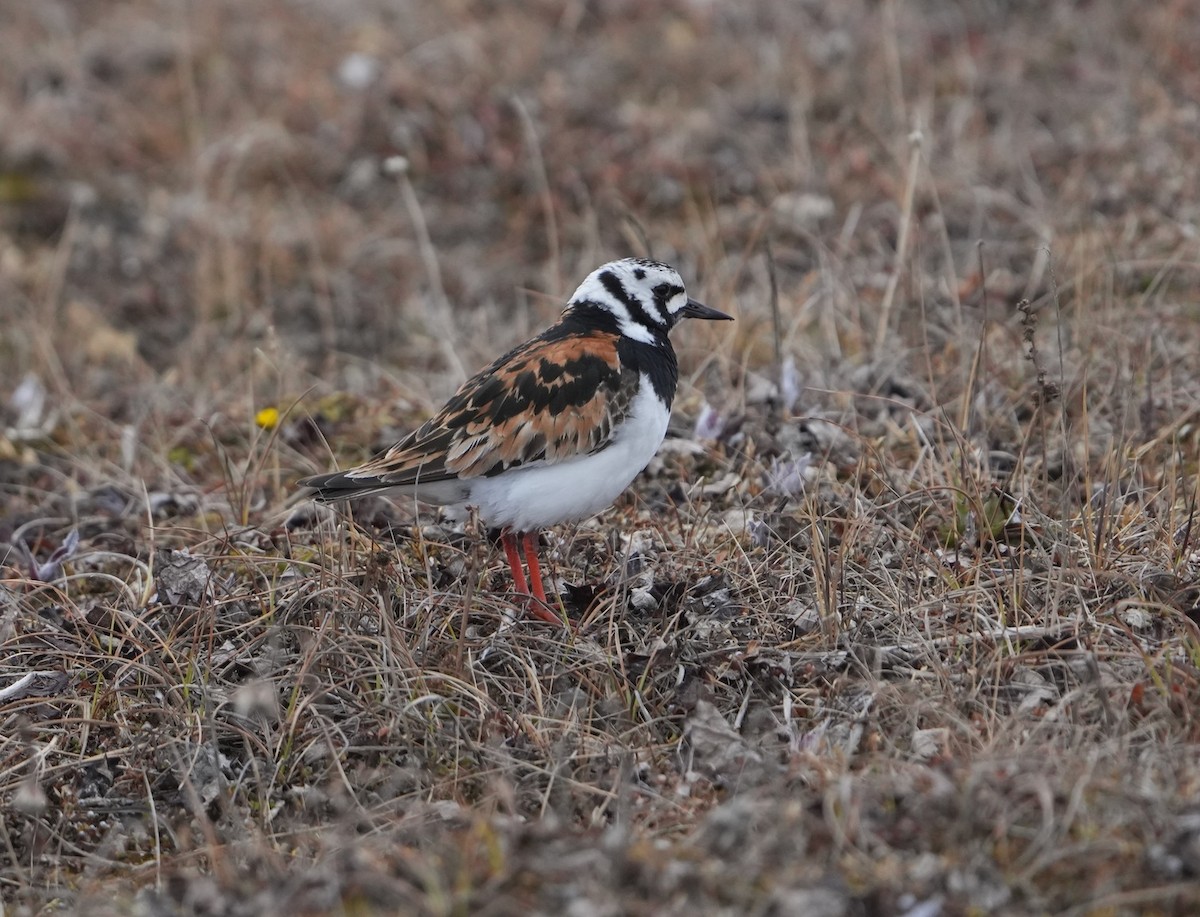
x=646, y=298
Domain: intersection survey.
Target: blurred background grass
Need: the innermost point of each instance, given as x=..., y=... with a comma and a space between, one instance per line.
x=212, y=210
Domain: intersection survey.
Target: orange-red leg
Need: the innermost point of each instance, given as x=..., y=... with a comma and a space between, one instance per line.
x=509, y=540
x=537, y=599
x=529, y=542
x=537, y=604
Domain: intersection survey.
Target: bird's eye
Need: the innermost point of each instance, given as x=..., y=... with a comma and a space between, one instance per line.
x=665, y=292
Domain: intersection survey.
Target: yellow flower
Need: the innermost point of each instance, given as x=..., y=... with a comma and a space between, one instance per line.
x=267, y=418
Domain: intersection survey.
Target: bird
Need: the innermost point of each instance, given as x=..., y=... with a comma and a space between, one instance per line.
x=553, y=431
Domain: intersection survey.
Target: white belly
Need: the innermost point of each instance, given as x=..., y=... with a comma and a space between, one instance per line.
x=534, y=496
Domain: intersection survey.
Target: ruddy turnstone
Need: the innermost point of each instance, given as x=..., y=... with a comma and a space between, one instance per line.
x=555, y=429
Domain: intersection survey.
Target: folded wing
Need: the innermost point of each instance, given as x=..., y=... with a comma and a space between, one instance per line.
x=558, y=396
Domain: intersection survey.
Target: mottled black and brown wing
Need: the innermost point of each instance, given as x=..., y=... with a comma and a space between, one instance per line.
x=557, y=396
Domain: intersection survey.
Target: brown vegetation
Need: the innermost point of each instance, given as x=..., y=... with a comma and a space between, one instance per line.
x=946, y=664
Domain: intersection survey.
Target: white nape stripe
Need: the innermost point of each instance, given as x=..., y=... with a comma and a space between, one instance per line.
x=630, y=328
x=654, y=311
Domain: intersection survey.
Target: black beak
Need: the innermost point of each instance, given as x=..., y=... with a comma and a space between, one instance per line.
x=695, y=309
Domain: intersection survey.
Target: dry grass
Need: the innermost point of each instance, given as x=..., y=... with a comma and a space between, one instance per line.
x=948, y=665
